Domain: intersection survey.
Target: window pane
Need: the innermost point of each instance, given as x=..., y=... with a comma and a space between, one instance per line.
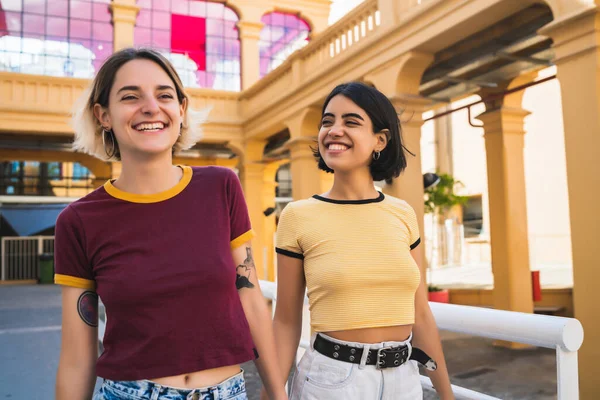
x=145, y=4
x=144, y=19
x=101, y=31
x=230, y=15
x=57, y=26
x=161, y=20
x=214, y=28
x=58, y=8
x=277, y=19
x=280, y=37
x=33, y=23
x=214, y=10
x=101, y=12
x=12, y=5
x=210, y=43
x=161, y=5
x=81, y=29
x=102, y=50
x=142, y=36
x=197, y=8
x=161, y=39
x=81, y=9
x=80, y=49
x=13, y=22
x=34, y=6
x=180, y=7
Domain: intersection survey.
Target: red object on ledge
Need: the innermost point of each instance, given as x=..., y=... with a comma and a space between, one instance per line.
x=442, y=296
x=536, y=287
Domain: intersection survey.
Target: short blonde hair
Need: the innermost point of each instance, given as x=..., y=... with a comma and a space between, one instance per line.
x=89, y=135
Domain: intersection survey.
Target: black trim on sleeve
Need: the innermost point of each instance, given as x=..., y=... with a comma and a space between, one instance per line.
x=415, y=244
x=289, y=253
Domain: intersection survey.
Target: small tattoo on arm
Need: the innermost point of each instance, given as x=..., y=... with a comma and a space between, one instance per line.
x=87, y=306
x=244, y=271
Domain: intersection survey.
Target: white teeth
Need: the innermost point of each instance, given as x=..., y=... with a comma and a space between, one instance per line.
x=150, y=127
x=335, y=146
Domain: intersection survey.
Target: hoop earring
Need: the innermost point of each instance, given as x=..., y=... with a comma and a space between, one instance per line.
x=113, y=148
x=376, y=155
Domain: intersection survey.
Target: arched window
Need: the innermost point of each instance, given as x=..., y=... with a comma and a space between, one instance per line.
x=281, y=35
x=55, y=37
x=199, y=37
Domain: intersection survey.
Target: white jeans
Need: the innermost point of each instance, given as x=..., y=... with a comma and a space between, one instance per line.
x=319, y=377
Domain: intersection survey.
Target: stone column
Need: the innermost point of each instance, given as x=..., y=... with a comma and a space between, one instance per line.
x=252, y=173
x=250, y=54
x=577, y=57
x=270, y=227
x=124, y=14
x=399, y=80
x=409, y=186
x=443, y=138
x=504, y=145
x=306, y=176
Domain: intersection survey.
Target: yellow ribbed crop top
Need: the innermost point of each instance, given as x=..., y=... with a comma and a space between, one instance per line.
x=357, y=263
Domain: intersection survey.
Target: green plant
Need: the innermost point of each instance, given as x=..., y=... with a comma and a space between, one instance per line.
x=441, y=197
x=432, y=288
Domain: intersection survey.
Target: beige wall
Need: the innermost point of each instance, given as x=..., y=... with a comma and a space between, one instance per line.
x=545, y=173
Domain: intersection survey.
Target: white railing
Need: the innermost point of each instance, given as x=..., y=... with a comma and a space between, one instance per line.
x=354, y=27
x=20, y=256
x=565, y=335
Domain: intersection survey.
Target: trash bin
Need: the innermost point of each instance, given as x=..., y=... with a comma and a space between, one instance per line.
x=47, y=268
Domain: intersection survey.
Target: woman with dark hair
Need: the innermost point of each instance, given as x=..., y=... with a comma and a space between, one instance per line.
x=159, y=245
x=352, y=248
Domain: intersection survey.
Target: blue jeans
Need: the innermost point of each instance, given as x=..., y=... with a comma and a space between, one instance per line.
x=233, y=388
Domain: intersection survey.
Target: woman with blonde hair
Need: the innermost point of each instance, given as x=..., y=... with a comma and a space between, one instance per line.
x=160, y=246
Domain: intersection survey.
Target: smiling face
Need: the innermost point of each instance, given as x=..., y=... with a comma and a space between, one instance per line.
x=346, y=138
x=143, y=110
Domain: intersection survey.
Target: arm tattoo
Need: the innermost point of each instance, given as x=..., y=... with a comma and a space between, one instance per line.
x=87, y=306
x=244, y=270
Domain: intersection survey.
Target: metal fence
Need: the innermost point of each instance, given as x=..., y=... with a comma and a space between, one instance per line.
x=20, y=256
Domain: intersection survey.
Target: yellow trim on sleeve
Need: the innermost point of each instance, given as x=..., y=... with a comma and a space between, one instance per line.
x=73, y=281
x=240, y=240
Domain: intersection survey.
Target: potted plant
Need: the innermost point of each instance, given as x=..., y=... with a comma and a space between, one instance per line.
x=438, y=294
x=439, y=200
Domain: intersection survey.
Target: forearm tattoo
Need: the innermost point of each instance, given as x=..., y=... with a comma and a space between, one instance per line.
x=87, y=306
x=244, y=271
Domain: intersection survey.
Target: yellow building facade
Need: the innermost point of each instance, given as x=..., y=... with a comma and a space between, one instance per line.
x=423, y=54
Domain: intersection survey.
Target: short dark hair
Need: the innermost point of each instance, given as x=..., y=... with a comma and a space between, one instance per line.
x=383, y=115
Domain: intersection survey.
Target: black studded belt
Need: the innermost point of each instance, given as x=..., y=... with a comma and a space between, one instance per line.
x=387, y=357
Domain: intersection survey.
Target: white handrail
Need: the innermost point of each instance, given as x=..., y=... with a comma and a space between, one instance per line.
x=537, y=330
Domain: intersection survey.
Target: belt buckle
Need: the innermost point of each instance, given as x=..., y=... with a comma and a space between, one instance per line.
x=381, y=356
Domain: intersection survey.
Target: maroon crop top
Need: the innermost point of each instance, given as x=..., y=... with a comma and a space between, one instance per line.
x=163, y=268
